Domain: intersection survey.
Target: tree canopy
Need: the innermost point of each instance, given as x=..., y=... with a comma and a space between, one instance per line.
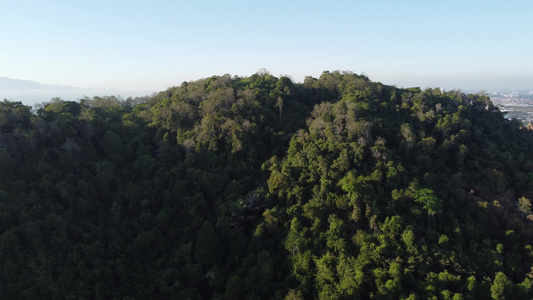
x=260, y=188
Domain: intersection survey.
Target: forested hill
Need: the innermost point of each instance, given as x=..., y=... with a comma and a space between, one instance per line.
x=260, y=188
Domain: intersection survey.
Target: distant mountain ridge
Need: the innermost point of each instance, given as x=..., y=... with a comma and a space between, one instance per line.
x=31, y=92
x=10, y=84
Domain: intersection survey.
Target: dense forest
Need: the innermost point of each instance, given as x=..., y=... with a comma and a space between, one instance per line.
x=261, y=188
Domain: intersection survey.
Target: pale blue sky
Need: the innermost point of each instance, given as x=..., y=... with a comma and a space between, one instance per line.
x=151, y=45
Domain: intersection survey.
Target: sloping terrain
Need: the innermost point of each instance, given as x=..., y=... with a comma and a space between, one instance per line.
x=257, y=188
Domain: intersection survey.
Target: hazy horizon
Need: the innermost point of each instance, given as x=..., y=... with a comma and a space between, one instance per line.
x=47, y=91
x=475, y=45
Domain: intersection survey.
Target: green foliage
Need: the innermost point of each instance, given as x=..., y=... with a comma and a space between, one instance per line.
x=432, y=204
x=500, y=287
x=207, y=246
x=260, y=188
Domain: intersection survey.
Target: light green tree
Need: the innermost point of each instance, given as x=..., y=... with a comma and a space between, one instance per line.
x=500, y=286
x=432, y=204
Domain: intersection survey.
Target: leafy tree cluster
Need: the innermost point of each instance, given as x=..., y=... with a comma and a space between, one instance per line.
x=257, y=187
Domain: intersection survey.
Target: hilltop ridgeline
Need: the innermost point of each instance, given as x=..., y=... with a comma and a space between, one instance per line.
x=259, y=188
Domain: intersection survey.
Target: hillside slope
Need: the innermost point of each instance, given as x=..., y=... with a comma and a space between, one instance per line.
x=258, y=188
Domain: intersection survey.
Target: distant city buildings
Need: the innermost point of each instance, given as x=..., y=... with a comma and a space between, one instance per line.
x=516, y=105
